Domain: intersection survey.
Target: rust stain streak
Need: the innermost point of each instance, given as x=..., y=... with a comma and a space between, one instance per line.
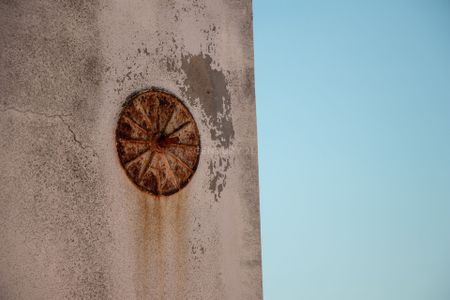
x=181, y=240
x=162, y=245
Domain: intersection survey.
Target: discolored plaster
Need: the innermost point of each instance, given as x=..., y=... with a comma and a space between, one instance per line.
x=209, y=86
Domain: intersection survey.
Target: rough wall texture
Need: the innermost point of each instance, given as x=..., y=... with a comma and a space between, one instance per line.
x=73, y=226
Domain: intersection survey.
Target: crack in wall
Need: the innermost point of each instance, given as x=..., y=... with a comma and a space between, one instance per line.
x=29, y=111
x=55, y=116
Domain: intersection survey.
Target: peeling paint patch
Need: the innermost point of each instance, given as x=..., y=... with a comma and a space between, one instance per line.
x=217, y=174
x=209, y=86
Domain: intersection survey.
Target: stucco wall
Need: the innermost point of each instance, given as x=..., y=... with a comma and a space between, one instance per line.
x=73, y=226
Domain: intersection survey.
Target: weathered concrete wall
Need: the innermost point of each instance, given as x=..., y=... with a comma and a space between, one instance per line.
x=73, y=226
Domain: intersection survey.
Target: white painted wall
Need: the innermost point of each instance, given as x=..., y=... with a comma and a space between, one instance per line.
x=73, y=226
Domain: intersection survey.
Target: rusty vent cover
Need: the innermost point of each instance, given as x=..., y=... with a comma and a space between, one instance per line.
x=158, y=142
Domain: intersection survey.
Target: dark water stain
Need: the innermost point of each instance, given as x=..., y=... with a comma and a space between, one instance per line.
x=210, y=87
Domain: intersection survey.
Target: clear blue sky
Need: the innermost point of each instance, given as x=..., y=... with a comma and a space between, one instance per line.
x=353, y=107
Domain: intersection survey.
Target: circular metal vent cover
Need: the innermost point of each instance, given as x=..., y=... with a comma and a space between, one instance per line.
x=158, y=142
